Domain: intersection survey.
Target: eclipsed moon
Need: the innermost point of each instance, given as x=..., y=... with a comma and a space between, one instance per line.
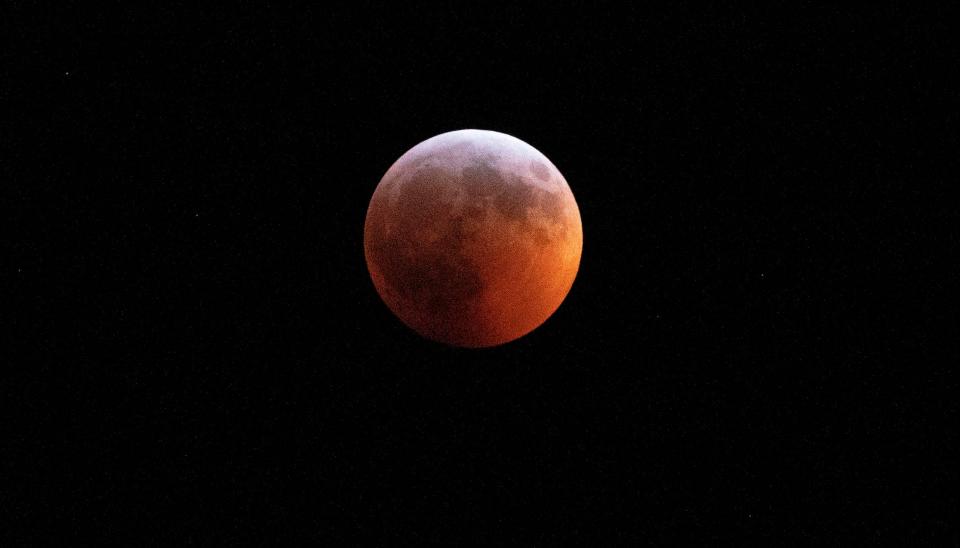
x=473, y=238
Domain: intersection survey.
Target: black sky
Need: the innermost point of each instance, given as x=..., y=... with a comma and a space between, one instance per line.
x=746, y=356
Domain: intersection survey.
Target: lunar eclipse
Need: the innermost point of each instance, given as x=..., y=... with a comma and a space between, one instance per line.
x=473, y=238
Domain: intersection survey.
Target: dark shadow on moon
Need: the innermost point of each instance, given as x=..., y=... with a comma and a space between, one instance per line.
x=431, y=275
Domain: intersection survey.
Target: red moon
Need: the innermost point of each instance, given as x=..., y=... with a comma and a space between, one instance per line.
x=473, y=238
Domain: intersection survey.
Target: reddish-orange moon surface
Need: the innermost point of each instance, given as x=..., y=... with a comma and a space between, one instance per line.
x=473, y=238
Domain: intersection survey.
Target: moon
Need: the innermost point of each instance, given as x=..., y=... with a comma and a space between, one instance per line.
x=473, y=238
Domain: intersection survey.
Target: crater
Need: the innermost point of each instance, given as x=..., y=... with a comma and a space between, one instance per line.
x=514, y=199
x=540, y=170
x=481, y=179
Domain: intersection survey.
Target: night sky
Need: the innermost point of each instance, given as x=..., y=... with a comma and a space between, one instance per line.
x=748, y=356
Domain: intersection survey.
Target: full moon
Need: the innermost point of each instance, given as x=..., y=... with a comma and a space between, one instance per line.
x=473, y=238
